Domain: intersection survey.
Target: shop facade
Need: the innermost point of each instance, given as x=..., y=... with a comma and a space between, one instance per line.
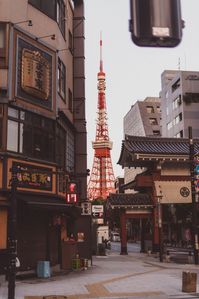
x=42, y=131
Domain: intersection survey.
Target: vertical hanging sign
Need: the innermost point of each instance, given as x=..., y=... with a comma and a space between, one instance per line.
x=71, y=194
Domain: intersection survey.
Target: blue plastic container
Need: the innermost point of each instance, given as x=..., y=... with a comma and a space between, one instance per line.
x=43, y=269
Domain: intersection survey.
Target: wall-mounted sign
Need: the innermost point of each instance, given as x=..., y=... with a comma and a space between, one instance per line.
x=33, y=177
x=98, y=220
x=97, y=211
x=34, y=74
x=86, y=208
x=184, y=191
x=71, y=192
x=173, y=191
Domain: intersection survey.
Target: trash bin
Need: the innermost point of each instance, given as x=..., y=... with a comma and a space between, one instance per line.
x=189, y=282
x=43, y=269
x=76, y=263
x=101, y=249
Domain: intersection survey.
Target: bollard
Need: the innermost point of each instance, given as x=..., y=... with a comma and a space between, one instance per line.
x=149, y=251
x=189, y=281
x=85, y=264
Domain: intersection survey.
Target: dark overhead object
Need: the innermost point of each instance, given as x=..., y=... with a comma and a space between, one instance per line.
x=156, y=23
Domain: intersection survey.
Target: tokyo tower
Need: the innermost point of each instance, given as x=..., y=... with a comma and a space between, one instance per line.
x=101, y=181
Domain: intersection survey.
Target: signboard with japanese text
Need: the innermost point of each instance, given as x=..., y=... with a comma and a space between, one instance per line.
x=34, y=74
x=170, y=192
x=33, y=177
x=97, y=211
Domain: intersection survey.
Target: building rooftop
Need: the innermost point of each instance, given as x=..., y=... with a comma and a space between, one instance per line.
x=129, y=200
x=158, y=148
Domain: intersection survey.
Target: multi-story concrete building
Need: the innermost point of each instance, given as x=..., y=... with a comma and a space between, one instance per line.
x=42, y=129
x=143, y=119
x=179, y=103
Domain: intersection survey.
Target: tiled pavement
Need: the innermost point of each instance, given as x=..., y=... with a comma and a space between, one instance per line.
x=114, y=276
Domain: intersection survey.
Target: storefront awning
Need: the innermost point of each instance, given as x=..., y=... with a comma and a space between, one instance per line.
x=49, y=203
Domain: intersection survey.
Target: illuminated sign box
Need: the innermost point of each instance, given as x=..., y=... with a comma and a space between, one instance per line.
x=33, y=177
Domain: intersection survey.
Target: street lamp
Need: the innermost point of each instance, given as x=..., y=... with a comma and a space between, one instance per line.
x=194, y=198
x=30, y=23
x=52, y=36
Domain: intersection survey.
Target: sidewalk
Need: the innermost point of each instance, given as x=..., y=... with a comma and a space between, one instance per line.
x=134, y=275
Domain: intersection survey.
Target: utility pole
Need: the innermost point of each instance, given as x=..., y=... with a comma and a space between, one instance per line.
x=193, y=194
x=12, y=240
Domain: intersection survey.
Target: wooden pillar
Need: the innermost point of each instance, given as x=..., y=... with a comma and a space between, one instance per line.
x=142, y=226
x=155, y=230
x=123, y=233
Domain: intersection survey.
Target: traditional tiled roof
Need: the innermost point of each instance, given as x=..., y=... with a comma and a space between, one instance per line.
x=159, y=145
x=156, y=146
x=129, y=200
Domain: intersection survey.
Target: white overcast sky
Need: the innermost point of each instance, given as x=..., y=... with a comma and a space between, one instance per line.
x=132, y=73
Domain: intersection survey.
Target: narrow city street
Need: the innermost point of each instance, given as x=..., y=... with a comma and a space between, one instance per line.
x=135, y=275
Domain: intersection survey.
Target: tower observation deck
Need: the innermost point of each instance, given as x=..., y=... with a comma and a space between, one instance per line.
x=101, y=181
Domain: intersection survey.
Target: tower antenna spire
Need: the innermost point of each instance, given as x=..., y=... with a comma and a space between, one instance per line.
x=101, y=182
x=101, y=61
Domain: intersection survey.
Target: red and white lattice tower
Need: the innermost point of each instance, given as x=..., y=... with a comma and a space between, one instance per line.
x=101, y=181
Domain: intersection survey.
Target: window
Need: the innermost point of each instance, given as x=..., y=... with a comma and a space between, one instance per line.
x=2, y=44
x=55, y=9
x=156, y=133
x=180, y=134
x=176, y=85
x=169, y=125
x=61, y=79
x=153, y=121
x=70, y=151
x=70, y=100
x=158, y=109
x=12, y=138
x=1, y=126
x=30, y=134
x=60, y=145
x=178, y=118
x=150, y=109
x=65, y=151
x=60, y=18
x=70, y=41
x=177, y=102
x=47, y=7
